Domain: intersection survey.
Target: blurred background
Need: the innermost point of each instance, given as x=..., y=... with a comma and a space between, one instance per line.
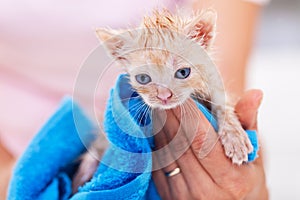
x=275, y=68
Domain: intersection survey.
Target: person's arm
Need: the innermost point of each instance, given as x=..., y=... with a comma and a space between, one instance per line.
x=235, y=32
x=6, y=163
x=213, y=176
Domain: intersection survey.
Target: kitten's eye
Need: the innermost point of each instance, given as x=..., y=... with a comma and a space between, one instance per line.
x=143, y=79
x=183, y=73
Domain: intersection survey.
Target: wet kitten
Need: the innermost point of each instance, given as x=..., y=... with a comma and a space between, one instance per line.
x=166, y=69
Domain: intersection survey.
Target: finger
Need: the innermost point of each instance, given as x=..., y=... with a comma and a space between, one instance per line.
x=173, y=187
x=194, y=176
x=171, y=138
x=174, y=135
x=199, y=183
x=161, y=184
x=204, y=128
x=247, y=111
x=197, y=179
x=169, y=187
x=162, y=156
x=194, y=130
x=205, y=134
x=202, y=145
x=247, y=108
x=178, y=187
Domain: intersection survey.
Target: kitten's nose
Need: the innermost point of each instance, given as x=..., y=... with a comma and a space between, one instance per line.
x=163, y=93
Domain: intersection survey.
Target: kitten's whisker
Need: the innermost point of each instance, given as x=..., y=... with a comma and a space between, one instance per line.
x=137, y=105
x=137, y=109
x=146, y=112
x=184, y=109
x=189, y=109
x=138, y=112
x=128, y=98
x=203, y=99
x=192, y=120
x=141, y=114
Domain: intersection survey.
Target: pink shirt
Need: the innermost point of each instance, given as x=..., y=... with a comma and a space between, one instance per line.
x=42, y=46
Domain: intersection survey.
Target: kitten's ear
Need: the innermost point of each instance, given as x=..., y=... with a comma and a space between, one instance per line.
x=202, y=28
x=115, y=42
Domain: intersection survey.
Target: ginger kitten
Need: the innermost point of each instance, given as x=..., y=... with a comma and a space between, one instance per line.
x=166, y=69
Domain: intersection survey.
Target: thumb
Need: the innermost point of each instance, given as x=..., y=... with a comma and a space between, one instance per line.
x=247, y=108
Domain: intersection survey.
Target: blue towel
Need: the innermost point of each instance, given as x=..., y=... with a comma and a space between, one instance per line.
x=45, y=169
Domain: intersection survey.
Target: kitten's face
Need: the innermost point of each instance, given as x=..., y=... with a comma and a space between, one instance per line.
x=158, y=56
x=163, y=80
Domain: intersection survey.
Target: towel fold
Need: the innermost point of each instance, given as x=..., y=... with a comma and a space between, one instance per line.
x=45, y=169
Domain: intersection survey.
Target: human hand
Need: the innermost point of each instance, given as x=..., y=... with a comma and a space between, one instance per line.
x=214, y=176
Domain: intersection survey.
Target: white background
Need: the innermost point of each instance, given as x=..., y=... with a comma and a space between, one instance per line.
x=275, y=68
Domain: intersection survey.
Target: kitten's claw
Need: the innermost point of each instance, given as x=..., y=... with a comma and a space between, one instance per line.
x=236, y=144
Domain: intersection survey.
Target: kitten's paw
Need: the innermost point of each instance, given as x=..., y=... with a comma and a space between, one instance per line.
x=236, y=144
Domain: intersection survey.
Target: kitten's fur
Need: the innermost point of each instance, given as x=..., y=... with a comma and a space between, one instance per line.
x=147, y=51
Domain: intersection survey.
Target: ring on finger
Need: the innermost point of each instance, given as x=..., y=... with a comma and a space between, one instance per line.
x=174, y=172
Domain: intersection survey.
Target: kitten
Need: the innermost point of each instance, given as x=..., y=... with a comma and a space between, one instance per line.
x=166, y=69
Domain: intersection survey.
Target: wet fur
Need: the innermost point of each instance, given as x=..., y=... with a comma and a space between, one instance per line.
x=145, y=50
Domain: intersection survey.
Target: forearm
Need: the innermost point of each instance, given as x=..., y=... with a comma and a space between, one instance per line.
x=235, y=26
